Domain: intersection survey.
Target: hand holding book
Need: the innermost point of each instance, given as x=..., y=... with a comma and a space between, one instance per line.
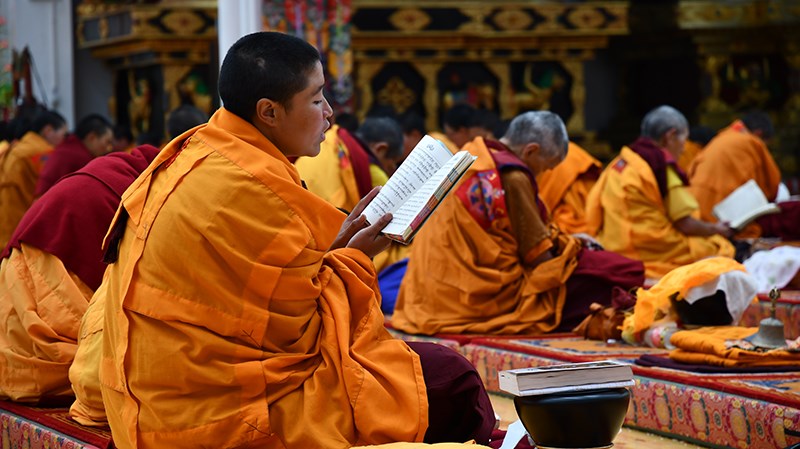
x=423, y=180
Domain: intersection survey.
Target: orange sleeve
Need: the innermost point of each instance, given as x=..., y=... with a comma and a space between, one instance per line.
x=531, y=232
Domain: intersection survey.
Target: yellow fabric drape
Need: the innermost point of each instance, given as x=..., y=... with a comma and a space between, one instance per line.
x=653, y=303
x=706, y=346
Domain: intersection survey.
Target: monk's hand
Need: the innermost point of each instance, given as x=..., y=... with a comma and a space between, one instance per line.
x=588, y=241
x=724, y=230
x=354, y=222
x=370, y=240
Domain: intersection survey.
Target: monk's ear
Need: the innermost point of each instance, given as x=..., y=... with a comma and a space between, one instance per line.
x=267, y=112
x=379, y=148
x=531, y=149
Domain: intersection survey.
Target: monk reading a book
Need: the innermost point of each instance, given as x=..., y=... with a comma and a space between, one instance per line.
x=641, y=208
x=49, y=270
x=564, y=189
x=242, y=310
x=736, y=155
x=489, y=261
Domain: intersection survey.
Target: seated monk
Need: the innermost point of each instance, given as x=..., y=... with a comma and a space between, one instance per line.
x=238, y=313
x=487, y=261
x=564, y=189
x=736, y=155
x=458, y=125
x=93, y=137
x=640, y=206
x=350, y=165
x=49, y=270
x=21, y=165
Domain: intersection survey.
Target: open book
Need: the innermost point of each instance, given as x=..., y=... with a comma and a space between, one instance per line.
x=744, y=205
x=420, y=183
x=566, y=377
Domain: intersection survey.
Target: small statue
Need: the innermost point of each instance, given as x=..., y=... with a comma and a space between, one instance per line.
x=770, y=331
x=139, y=108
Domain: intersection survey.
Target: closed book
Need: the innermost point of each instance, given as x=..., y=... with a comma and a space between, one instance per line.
x=566, y=377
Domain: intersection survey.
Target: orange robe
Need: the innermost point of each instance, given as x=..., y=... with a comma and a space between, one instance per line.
x=732, y=158
x=710, y=346
x=84, y=373
x=564, y=189
x=468, y=277
x=626, y=211
x=690, y=152
x=445, y=140
x=227, y=321
x=20, y=167
x=41, y=303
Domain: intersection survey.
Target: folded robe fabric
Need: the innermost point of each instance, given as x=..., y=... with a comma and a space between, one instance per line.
x=717, y=346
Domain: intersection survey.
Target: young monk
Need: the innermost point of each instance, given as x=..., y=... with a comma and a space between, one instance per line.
x=21, y=165
x=48, y=272
x=641, y=206
x=489, y=262
x=242, y=310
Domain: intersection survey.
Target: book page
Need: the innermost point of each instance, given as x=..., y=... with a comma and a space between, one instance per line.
x=405, y=215
x=424, y=160
x=743, y=205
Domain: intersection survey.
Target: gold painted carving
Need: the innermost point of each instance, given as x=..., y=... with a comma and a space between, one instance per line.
x=712, y=66
x=577, y=122
x=513, y=19
x=397, y=94
x=183, y=22
x=586, y=18
x=409, y=19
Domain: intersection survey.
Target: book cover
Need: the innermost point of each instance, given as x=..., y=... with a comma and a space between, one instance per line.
x=570, y=375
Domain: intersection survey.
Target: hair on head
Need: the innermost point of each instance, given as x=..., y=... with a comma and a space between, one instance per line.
x=383, y=129
x=543, y=127
x=662, y=119
x=264, y=65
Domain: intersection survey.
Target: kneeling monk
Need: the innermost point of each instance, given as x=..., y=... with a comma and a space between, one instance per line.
x=488, y=261
x=238, y=313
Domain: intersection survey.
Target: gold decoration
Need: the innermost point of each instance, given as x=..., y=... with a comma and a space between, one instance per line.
x=139, y=108
x=366, y=71
x=712, y=14
x=183, y=22
x=512, y=19
x=577, y=122
x=397, y=94
x=586, y=18
x=712, y=65
x=477, y=22
x=409, y=19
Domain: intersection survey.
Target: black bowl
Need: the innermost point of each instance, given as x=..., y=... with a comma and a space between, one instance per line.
x=575, y=419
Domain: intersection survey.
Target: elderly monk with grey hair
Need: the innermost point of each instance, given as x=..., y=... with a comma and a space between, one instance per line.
x=641, y=206
x=490, y=262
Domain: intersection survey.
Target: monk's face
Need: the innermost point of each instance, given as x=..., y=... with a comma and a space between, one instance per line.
x=299, y=126
x=674, y=141
x=54, y=136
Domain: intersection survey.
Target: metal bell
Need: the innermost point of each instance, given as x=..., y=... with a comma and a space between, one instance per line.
x=770, y=330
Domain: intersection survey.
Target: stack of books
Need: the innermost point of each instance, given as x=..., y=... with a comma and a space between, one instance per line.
x=566, y=377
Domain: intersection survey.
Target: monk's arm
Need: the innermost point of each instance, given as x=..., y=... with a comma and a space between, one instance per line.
x=692, y=226
x=530, y=231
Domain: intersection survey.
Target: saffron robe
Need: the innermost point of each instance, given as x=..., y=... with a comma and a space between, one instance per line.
x=468, y=272
x=20, y=167
x=732, y=158
x=445, y=140
x=627, y=212
x=69, y=156
x=564, y=189
x=84, y=373
x=690, y=152
x=341, y=173
x=713, y=346
x=228, y=323
x=50, y=268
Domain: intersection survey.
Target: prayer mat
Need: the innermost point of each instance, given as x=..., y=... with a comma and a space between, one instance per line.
x=22, y=426
x=760, y=410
